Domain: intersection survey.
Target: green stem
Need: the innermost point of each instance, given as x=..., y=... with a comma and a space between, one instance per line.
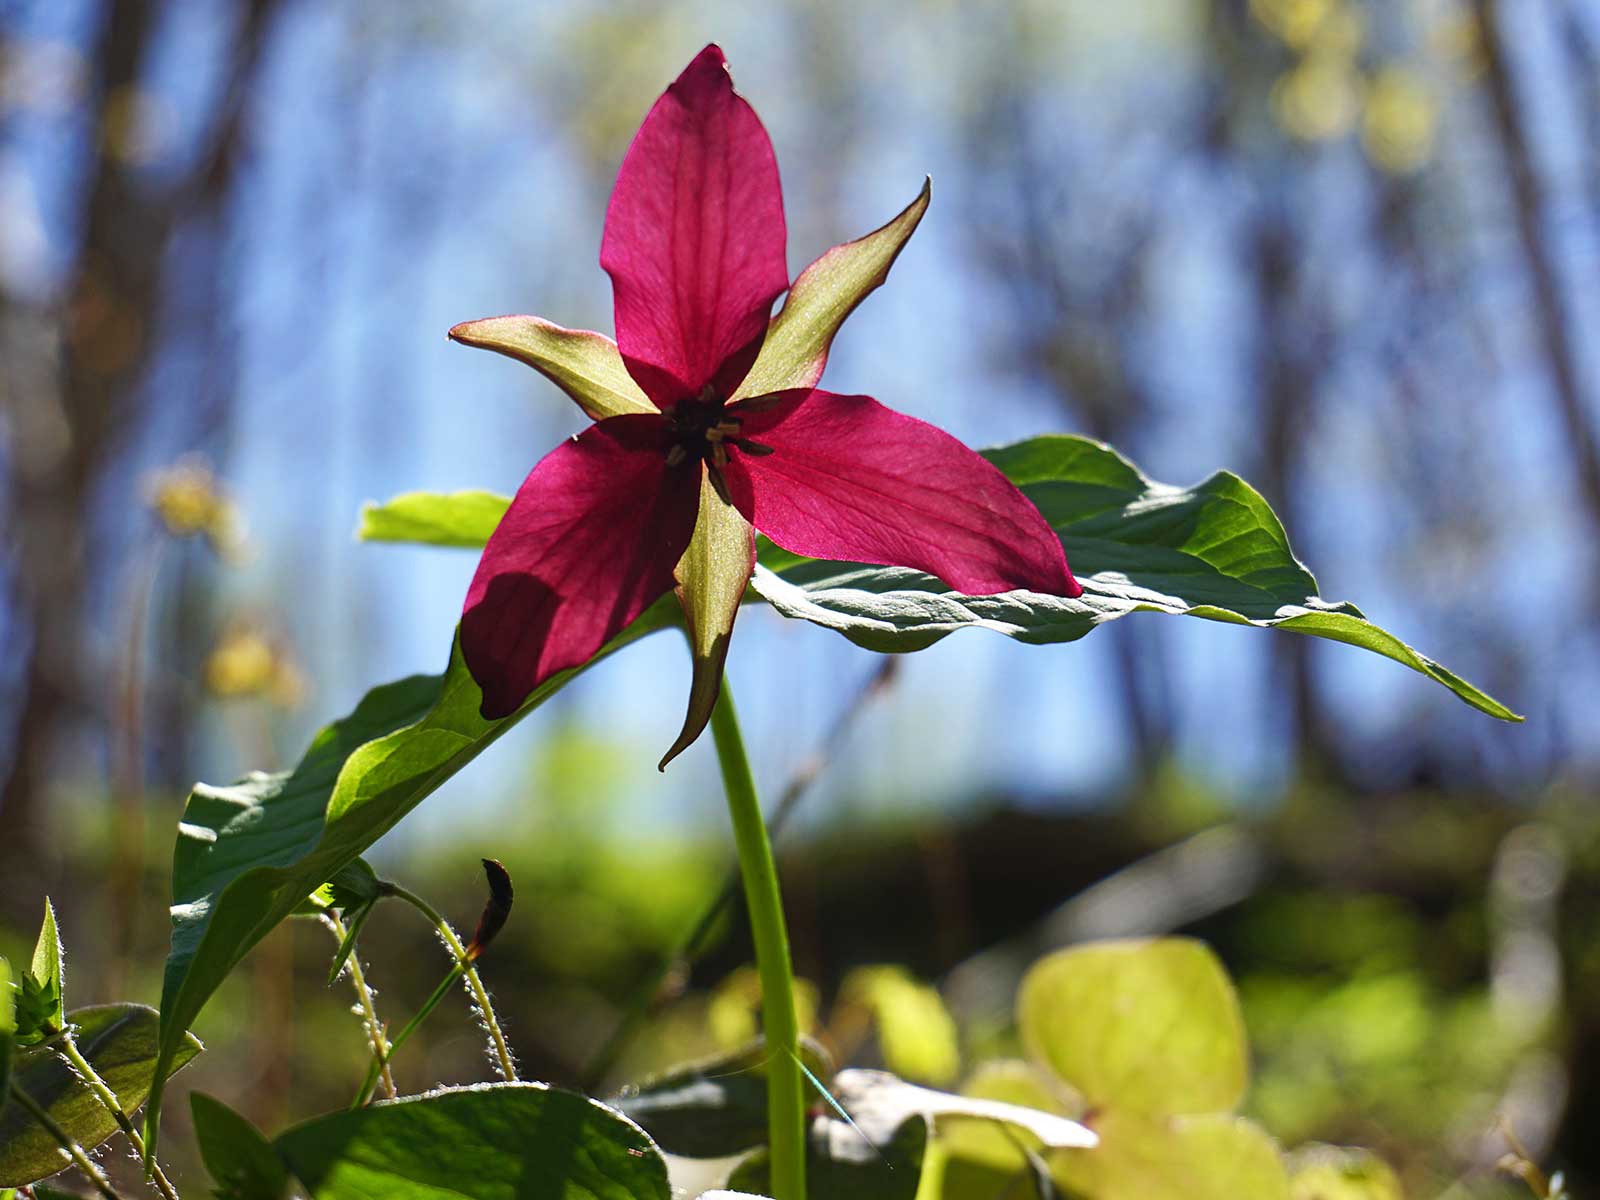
x=63, y=1139
x=108, y=1100
x=381, y=1050
x=480, y=994
x=786, y=1113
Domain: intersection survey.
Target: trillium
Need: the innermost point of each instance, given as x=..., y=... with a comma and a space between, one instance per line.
x=708, y=425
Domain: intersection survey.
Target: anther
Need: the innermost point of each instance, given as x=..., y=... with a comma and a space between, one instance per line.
x=755, y=448
x=719, y=454
x=677, y=456
x=719, y=485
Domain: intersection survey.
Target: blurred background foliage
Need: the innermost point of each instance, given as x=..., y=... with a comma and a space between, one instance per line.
x=1344, y=247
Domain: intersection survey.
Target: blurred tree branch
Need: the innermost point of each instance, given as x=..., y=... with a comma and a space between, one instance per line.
x=71, y=421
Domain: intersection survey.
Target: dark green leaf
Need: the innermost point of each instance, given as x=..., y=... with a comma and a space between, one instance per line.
x=505, y=1141
x=464, y=519
x=841, y=1164
x=248, y=855
x=353, y=886
x=242, y=1162
x=714, y=1107
x=119, y=1040
x=1215, y=550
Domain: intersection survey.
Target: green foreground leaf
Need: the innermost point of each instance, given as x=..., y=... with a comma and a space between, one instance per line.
x=248, y=855
x=119, y=1040
x=503, y=1141
x=1215, y=550
x=242, y=1163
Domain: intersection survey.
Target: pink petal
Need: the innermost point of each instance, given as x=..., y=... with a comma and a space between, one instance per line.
x=850, y=479
x=590, y=540
x=694, y=237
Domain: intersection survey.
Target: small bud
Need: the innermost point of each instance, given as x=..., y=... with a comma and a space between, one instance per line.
x=495, y=911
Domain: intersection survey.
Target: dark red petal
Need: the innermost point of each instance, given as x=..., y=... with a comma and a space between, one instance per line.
x=850, y=479
x=694, y=237
x=589, y=542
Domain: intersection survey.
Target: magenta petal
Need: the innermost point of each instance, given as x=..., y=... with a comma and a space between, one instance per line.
x=589, y=542
x=694, y=237
x=850, y=479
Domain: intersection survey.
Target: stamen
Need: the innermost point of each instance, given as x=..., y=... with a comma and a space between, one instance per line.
x=760, y=404
x=677, y=455
x=719, y=485
x=755, y=448
x=719, y=454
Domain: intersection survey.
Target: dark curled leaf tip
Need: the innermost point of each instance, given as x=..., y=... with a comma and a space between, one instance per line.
x=495, y=911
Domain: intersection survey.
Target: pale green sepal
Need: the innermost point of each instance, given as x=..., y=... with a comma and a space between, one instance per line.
x=585, y=365
x=711, y=581
x=828, y=291
x=461, y=519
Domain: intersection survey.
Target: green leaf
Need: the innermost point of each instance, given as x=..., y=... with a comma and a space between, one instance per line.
x=248, y=855
x=8, y=1027
x=243, y=1163
x=841, y=1164
x=1007, y=1081
x=585, y=365
x=1175, y=1158
x=713, y=1107
x=354, y=885
x=38, y=998
x=47, y=957
x=796, y=346
x=916, y=1032
x=1145, y=1026
x=1319, y=1172
x=464, y=519
x=503, y=1141
x=119, y=1040
x=1215, y=551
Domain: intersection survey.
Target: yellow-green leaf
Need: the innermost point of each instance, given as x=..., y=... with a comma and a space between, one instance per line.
x=463, y=519
x=1138, y=1026
x=1175, y=1158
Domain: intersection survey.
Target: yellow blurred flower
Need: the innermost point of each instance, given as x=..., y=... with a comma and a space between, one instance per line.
x=189, y=502
x=1319, y=99
x=1313, y=25
x=248, y=664
x=1399, y=121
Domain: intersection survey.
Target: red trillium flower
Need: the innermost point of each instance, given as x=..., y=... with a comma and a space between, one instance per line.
x=708, y=423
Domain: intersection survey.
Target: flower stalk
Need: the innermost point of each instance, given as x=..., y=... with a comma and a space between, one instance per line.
x=68, y=1049
x=786, y=1128
x=465, y=968
x=381, y=1050
x=74, y=1152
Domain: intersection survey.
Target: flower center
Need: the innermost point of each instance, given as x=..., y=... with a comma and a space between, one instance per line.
x=701, y=429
